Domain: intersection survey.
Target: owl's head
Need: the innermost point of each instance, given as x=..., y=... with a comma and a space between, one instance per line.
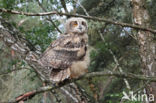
x=76, y=25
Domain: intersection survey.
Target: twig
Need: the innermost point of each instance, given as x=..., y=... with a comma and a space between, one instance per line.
x=54, y=25
x=117, y=63
x=64, y=5
x=109, y=80
x=69, y=94
x=49, y=18
x=120, y=69
x=134, y=37
x=74, y=8
x=85, y=11
x=83, y=16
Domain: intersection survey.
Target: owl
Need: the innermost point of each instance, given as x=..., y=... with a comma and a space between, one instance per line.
x=68, y=56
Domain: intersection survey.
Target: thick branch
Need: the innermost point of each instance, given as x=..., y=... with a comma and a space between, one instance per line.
x=89, y=75
x=12, y=38
x=86, y=17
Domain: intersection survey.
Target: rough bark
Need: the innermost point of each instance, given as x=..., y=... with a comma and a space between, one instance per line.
x=14, y=39
x=146, y=43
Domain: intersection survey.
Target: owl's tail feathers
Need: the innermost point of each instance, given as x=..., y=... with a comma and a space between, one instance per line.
x=58, y=75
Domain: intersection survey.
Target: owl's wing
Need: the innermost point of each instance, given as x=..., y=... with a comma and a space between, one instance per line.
x=62, y=53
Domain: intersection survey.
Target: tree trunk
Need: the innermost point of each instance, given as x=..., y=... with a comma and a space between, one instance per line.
x=146, y=43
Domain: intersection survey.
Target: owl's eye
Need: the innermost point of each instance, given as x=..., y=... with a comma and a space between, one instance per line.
x=83, y=23
x=75, y=23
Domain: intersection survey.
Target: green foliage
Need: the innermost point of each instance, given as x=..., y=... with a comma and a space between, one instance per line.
x=9, y=4
x=42, y=36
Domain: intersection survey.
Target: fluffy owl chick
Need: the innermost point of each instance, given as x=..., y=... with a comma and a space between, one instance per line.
x=78, y=26
x=68, y=56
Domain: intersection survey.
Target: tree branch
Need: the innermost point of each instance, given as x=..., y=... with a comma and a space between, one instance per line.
x=120, y=69
x=83, y=16
x=30, y=94
x=120, y=75
x=12, y=39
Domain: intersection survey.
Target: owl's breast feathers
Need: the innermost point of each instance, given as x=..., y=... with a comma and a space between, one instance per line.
x=60, y=55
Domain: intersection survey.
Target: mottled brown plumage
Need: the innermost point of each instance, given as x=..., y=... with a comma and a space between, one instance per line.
x=66, y=57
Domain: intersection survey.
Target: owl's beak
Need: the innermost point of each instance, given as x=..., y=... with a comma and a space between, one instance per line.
x=80, y=27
